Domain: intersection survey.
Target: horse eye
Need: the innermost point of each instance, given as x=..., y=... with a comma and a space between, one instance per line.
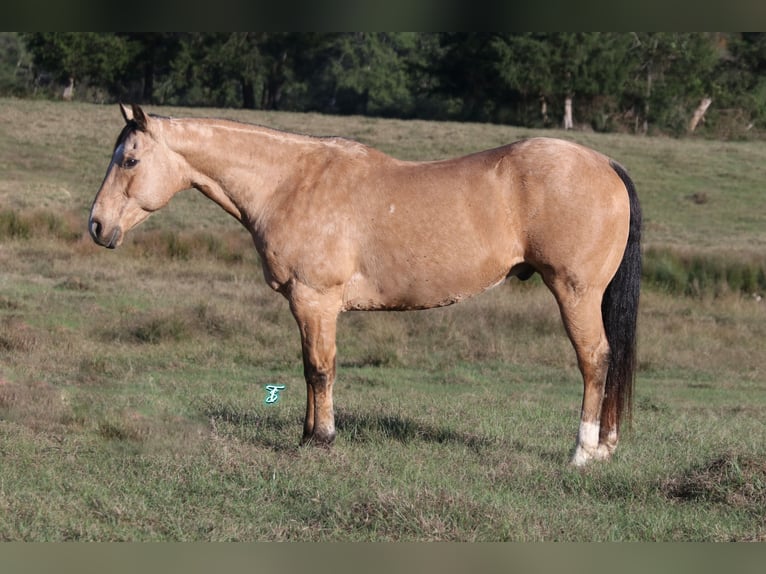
x=130, y=162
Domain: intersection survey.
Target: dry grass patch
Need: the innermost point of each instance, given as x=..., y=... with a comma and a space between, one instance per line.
x=428, y=515
x=17, y=336
x=708, y=335
x=38, y=406
x=515, y=323
x=230, y=247
x=155, y=434
x=735, y=480
x=173, y=325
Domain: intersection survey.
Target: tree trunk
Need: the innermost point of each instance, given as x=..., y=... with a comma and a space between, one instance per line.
x=544, y=110
x=649, y=78
x=568, y=124
x=699, y=113
x=274, y=84
x=147, y=96
x=69, y=90
x=248, y=94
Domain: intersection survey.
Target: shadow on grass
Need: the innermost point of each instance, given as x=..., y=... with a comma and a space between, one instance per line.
x=281, y=431
x=368, y=427
x=276, y=430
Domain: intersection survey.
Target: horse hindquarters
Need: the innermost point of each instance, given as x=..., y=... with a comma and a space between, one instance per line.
x=602, y=327
x=591, y=262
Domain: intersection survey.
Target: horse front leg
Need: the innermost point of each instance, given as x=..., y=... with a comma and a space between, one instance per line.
x=317, y=317
x=319, y=372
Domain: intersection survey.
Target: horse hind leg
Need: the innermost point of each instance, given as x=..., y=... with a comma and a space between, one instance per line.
x=581, y=313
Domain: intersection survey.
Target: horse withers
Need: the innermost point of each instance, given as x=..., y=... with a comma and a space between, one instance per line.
x=340, y=226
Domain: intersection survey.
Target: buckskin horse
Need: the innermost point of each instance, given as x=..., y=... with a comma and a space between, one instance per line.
x=340, y=226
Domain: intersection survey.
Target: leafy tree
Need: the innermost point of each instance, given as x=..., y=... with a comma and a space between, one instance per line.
x=428, y=100
x=611, y=79
x=94, y=58
x=281, y=54
x=514, y=76
x=363, y=73
x=589, y=68
x=671, y=72
x=151, y=56
x=467, y=70
x=15, y=65
x=742, y=75
x=197, y=74
x=526, y=80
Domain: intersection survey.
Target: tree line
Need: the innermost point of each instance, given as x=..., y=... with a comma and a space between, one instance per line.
x=636, y=82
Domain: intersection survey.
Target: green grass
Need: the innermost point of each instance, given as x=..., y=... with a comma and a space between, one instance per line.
x=700, y=273
x=131, y=382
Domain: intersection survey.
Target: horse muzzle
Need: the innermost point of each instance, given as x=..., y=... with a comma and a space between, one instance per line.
x=105, y=238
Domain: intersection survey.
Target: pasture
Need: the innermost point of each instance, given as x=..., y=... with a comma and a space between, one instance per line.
x=132, y=381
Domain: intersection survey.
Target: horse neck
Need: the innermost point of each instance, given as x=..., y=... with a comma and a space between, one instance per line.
x=238, y=166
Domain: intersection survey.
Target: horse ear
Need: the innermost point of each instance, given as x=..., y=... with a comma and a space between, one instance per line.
x=127, y=113
x=135, y=114
x=139, y=117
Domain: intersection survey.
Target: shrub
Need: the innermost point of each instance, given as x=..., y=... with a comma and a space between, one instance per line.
x=702, y=274
x=13, y=226
x=25, y=225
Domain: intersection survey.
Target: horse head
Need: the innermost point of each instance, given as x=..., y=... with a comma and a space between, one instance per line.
x=143, y=174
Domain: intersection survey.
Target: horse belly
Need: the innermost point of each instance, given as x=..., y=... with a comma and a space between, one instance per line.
x=414, y=279
x=440, y=236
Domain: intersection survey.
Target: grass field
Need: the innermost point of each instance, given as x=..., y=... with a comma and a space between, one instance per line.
x=132, y=381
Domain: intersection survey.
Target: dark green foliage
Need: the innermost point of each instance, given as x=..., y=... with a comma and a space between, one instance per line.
x=15, y=66
x=101, y=60
x=617, y=81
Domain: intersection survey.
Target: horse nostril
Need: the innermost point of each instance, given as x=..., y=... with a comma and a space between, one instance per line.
x=95, y=229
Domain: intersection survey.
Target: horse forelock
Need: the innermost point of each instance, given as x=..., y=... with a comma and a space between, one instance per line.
x=128, y=129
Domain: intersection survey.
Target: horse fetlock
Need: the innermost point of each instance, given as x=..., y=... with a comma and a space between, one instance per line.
x=580, y=457
x=584, y=455
x=610, y=441
x=588, y=446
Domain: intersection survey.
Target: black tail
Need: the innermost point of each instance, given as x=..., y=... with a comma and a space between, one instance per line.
x=619, y=311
